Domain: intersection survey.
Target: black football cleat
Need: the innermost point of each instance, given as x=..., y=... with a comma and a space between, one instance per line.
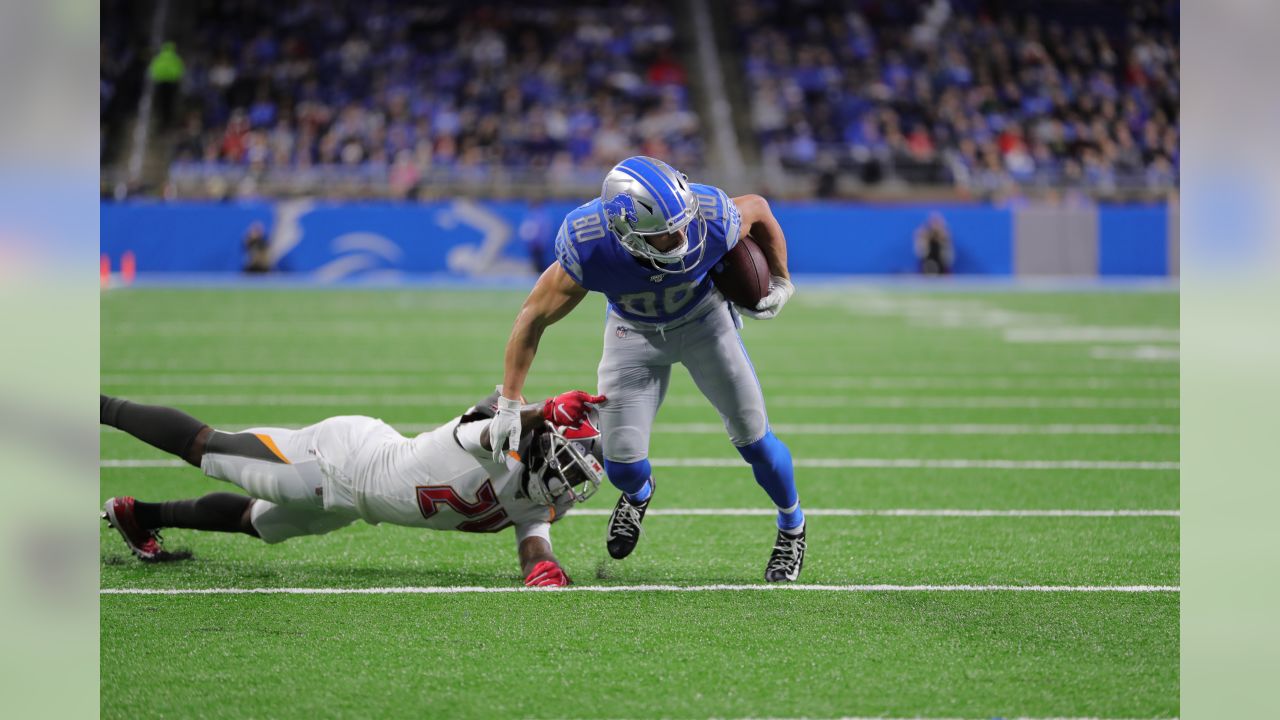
x=787, y=558
x=623, y=531
x=145, y=544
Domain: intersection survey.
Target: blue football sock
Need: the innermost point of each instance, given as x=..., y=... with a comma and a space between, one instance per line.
x=771, y=463
x=790, y=519
x=631, y=478
x=645, y=491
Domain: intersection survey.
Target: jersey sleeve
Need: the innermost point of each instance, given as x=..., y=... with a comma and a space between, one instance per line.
x=720, y=213
x=567, y=253
x=540, y=529
x=483, y=410
x=467, y=434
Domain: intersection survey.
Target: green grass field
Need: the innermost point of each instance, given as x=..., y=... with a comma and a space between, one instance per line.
x=1001, y=406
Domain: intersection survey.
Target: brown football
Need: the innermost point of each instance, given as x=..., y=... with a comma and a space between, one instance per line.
x=742, y=275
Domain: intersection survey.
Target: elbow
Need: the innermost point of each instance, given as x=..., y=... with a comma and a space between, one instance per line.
x=759, y=206
x=755, y=211
x=758, y=202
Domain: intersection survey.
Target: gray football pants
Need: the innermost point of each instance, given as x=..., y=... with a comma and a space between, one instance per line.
x=635, y=371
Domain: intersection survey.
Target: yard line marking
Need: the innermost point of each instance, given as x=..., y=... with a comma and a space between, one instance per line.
x=945, y=369
x=919, y=718
x=895, y=512
x=842, y=429
x=803, y=401
x=845, y=463
x=1090, y=334
x=465, y=589
x=929, y=429
x=455, y=377
x=1140, y=353
x=822, y=464
x=970, y=402
x=142, y=463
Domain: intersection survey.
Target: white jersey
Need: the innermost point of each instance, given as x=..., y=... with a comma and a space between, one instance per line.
x=440, y=479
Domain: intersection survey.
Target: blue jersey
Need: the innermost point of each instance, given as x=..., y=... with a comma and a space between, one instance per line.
x=594, y=257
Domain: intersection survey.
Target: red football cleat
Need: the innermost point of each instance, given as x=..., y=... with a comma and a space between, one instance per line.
x=118, y=512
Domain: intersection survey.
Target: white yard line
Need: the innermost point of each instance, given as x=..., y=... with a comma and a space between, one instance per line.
x=890, y=512
x=919, y=718
x=1137, y=353
x=840, y=463
x=801, y=401
x=928, y=429
x=839, y=428
x=1090, y=334
x=846, y=367
x=882, y=382
x=457, y=590
x=822, y=463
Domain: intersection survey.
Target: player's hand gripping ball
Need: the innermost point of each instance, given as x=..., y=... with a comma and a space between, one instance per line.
x=547, y=574
x=780, y=291
x=569, y=409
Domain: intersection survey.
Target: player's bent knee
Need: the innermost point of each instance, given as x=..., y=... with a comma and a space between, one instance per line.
x=626, y=444
x=747, y=430
x=277, y=523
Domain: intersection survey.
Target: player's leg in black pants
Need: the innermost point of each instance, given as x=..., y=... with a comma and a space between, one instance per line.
x=177, y=433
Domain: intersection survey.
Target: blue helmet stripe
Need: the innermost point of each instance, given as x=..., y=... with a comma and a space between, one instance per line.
x=659, y=170
x=647, y=186
x=646, y=180
x=654, y=183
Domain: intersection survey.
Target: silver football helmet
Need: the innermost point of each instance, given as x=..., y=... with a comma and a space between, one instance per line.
x=644, y=198
x=565, y=463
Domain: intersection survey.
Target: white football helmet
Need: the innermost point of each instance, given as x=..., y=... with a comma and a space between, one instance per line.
x=643, y=198
x=565, y=463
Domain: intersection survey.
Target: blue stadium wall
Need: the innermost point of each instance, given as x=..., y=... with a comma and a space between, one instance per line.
x=463, y=238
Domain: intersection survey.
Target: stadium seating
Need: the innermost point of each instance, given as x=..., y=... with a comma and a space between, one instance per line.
x=428, y=100
x=398, y=90
x=983, y=95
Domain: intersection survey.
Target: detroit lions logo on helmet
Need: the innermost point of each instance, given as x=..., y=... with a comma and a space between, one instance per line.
x=623, y=208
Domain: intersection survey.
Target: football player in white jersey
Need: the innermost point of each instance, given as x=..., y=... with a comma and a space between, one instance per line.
x=649, y=244
x=325, y=476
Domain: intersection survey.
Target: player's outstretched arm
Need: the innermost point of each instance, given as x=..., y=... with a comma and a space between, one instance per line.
x=555, y=295
x=539, y=565
x=759, y=222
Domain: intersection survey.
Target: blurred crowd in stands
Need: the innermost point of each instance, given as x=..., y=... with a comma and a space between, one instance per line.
x=982, y=94
x=401, y=89
x=986, y=95
x=122, y=52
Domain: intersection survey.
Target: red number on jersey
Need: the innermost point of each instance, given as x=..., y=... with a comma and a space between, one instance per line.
x=430, y=497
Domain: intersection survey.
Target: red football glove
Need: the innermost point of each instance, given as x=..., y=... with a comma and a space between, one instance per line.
x=569, y=409
x=547, y=574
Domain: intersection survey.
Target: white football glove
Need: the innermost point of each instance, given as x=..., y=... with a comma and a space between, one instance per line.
x=780, y=291
x=504, y=429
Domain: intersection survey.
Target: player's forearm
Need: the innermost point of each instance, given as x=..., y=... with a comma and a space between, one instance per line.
x=768, y=235
x=759, y=222
x=522, y=346
x=552, y=298
x=533, y=551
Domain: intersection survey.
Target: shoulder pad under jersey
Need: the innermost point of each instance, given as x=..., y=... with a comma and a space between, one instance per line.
x=719, y=212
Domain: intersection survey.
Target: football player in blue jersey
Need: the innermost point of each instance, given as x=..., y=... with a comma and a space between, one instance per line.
x=648, y=243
